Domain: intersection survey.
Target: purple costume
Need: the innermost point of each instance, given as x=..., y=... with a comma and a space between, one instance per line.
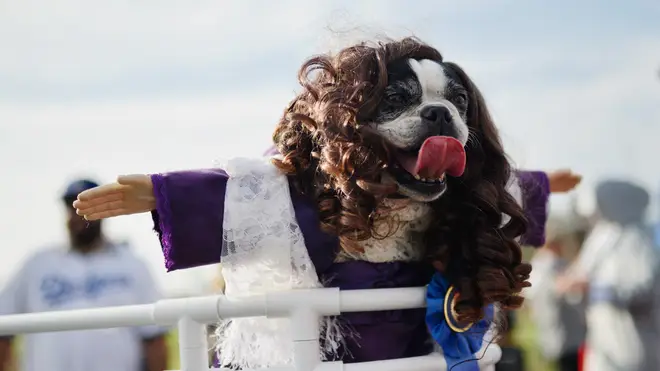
x=189, y=222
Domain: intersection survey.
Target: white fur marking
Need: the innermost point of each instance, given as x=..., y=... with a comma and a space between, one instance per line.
x=405, y=243
x=433, y=80
x=431, y=77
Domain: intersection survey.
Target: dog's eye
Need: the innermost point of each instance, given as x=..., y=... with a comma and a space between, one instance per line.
x=461, y=100
x=394, y=98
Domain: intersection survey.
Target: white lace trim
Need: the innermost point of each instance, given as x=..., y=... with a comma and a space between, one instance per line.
x=264, y=251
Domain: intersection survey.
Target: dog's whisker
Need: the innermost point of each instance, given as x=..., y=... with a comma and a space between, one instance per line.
x=473, y=139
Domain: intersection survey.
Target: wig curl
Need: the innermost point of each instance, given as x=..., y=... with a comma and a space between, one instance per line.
x=332, y=158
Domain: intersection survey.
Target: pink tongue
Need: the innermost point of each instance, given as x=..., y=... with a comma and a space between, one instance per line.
x=438, y=155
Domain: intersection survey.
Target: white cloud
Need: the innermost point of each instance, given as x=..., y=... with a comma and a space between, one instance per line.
x=75, y=43
x=616, y=106
x=605, y=126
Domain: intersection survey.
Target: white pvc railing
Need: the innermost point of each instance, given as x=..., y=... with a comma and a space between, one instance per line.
x=303, y=307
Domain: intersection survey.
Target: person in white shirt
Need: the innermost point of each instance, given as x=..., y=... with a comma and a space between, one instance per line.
x=618, y=271
x=90, y=272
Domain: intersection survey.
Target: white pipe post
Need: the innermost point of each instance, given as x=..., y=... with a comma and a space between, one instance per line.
x=193, y=345
x=304, y=309
x=305, y=331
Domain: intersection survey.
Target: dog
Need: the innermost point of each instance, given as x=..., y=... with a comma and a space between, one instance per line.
x=423, y=117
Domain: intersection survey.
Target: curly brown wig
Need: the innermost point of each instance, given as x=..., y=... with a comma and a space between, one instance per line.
x=332, y=158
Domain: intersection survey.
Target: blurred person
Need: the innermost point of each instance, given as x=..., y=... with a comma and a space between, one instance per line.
x=617, y=270
x=89, y=272
x=655, y=231
x=559, y=317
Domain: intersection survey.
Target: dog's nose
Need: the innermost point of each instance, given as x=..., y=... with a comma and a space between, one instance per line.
x=439, y=121
x=438, y=115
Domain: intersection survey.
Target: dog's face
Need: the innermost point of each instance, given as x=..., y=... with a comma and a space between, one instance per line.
x=423, y=117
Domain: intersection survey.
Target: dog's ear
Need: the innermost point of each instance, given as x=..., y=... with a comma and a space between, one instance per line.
x=484, y=138
x=473, y=216
x=478, y=117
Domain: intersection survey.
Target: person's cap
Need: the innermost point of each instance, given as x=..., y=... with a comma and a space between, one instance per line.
x=622, y=201
x=76, y=187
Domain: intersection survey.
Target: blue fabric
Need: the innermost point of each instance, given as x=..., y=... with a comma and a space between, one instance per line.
x=459, y=348
x=602, y=294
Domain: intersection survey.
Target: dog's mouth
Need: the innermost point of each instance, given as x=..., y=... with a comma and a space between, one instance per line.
x=425, y=169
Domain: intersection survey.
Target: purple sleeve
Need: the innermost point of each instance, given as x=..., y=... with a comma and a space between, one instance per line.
x=271, y=151
x=535, y=193
x=188, y=216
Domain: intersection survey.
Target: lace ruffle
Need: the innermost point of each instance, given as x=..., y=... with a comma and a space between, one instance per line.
x=264, y=251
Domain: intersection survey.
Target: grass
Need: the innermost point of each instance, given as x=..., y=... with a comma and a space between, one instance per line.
x=524, y=336
x=173, y=350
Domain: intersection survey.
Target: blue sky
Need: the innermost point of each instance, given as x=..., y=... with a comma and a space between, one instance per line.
x=105, y=88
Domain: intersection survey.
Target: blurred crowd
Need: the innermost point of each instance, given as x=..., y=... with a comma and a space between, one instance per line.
x=593, y=303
